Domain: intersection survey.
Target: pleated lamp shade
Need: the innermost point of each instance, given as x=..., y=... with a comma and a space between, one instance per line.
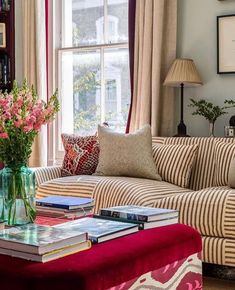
x=183, y=71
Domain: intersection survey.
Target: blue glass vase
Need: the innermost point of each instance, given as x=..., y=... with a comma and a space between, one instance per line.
x=17, y=192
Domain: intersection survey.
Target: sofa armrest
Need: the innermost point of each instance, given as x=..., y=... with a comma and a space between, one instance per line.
x=44, y=174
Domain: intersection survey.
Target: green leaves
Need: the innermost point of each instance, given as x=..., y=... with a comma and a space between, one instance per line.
x=208, y=110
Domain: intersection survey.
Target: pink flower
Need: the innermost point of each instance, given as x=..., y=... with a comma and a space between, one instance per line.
x=18, y=123
x=37, y=126
x=28, y=128
x=4, y=135
x=7, y=116
x=30, y=119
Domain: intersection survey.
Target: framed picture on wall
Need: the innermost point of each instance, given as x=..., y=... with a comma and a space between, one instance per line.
x=2, y=35
x=226, y=44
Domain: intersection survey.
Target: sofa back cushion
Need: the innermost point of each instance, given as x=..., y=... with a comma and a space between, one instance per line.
x=203, y=171
x=224, y=154
x=175, y=162
x=126, y=154
x=81, y=154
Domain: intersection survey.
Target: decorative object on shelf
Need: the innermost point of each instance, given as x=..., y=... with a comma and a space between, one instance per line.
x=182, y=73
x=2, y=35
x=22, y=114
x=225, y=44
x=232, y=121
x=211, y=112
x=5, y=5
x=229, y=131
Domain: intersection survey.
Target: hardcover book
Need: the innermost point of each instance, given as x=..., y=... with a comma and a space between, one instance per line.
x=58, y=212
x=143, y=225
x=48, y=256
x=36, y=239
x=139, y=213
x=100, y=230
x=65, y=202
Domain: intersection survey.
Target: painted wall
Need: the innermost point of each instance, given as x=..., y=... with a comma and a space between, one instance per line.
x=197, y=40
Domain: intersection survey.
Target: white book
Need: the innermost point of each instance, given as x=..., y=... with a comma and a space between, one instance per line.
x=48, y=256
x=36, y=239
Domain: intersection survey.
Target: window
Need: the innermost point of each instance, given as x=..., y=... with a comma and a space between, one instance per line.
x=93, y=65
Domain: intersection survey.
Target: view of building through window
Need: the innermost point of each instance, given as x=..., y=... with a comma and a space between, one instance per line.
x=94, y=65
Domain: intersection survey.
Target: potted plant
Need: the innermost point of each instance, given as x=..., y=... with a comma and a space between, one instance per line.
x=22, y=114
x=211, y=112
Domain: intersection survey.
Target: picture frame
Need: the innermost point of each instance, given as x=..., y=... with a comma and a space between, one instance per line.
x=2, y=35
x=226, y=44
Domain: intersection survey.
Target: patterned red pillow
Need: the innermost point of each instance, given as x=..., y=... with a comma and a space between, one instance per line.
x=81, y=154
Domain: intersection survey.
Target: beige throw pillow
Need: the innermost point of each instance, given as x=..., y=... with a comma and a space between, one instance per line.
x=175, y=162
x=126, y=154
x=231, y=174
x=224, y=154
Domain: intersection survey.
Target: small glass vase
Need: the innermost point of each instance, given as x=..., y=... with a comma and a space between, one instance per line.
x=17, y=192
x=212, y=129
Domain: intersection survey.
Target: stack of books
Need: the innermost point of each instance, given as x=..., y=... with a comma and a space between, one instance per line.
x=42, y=243
x=64, y=206
x=144, y=217
x=119, y=221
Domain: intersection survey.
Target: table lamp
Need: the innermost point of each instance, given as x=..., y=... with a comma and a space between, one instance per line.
x=182, y=73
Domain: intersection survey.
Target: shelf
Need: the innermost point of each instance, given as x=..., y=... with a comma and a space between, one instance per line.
x=7, y=54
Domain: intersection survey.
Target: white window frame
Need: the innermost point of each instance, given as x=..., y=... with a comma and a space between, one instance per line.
x=56, y=153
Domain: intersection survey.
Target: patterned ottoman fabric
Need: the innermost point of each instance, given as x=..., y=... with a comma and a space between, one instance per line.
x=180, y=275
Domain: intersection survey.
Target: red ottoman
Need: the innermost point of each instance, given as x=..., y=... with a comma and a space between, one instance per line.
x=166, y=257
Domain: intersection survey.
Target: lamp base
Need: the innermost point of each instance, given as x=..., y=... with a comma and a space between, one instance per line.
x=182, y=130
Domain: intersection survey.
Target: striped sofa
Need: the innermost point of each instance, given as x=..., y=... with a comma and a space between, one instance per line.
x=209, y=209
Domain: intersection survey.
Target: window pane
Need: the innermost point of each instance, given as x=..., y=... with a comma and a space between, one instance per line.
x=83, y=22
x=117, y=87
x=80, y=91
x=117, y=22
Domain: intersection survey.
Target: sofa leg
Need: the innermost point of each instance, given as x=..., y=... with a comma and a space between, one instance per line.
x=218, y=271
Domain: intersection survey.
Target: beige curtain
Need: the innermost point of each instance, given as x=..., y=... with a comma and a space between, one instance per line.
x=34, y=65
x=155, y=50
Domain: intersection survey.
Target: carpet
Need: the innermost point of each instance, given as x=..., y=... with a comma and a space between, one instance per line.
x=217, y=284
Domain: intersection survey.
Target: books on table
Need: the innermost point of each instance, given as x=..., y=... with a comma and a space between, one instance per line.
x=65, y=202
x=48, y=256
x=61, y=213
x=100, y=230
x=36, y=239
x=64, y=206
x=41, y=243
x=145, y=217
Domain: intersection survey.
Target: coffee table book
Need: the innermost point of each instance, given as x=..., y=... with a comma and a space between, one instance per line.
x=100, y=230
x=48, y=256
x=36, y=239
x=139, y=213
x=143, y=225
x=65, y=202
x=59, y=212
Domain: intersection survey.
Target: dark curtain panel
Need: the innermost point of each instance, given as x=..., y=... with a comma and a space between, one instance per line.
x=131, y=29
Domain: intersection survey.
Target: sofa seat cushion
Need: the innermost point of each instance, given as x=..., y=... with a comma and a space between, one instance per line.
x=81, y=186
x=211, y=211
x=113, y=191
